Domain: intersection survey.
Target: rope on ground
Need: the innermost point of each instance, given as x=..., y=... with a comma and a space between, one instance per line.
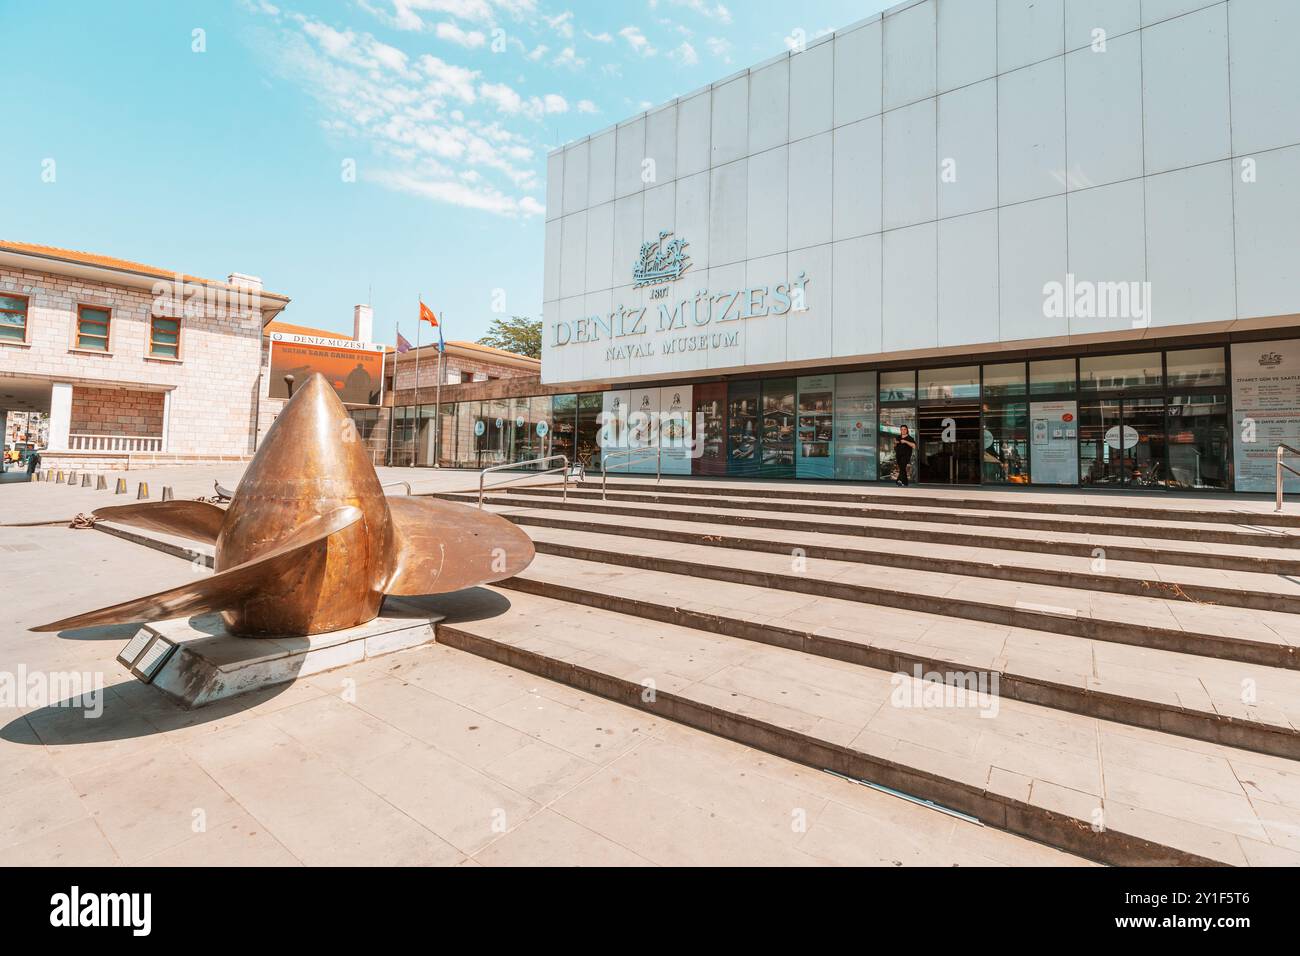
x=83, y=521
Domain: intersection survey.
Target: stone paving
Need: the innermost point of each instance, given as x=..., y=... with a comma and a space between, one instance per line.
x=429, y=757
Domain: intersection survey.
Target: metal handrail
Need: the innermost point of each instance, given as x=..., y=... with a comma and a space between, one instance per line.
x=482, y=475
x=394, y=484
x=1281, y=452
x=658, y=452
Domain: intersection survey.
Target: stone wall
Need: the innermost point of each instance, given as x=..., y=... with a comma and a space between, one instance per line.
x=213, y=383
x=116, y=411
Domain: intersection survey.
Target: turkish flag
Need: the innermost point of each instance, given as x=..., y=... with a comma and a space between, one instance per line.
x=426, y=315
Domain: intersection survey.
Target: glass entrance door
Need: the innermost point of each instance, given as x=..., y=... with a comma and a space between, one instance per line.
x=949, y=444
x=1122, y=443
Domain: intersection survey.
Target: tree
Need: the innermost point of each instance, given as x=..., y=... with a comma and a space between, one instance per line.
x=518, y=334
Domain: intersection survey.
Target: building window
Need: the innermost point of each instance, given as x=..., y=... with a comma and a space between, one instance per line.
x=92, y=328
x=13, y=318
x=164, y=337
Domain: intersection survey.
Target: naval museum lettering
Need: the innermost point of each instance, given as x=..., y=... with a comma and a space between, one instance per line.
x=703, y=309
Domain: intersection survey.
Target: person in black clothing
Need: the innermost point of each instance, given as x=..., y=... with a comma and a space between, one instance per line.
x=903, y=448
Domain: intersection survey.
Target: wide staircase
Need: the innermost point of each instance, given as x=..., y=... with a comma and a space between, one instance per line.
x=1115, y=677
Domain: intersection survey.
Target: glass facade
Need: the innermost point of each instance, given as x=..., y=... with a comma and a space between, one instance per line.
x=1143, y=420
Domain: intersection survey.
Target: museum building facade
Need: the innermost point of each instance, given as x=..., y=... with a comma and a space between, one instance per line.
x=1059, y=241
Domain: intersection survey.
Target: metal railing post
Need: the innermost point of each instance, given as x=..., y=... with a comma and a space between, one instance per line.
x=1280, y=452
x=564, y=468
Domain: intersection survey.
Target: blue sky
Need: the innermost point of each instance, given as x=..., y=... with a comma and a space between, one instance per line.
x=235, y=159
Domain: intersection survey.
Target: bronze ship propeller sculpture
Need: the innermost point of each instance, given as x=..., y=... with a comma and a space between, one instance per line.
x=310, y=543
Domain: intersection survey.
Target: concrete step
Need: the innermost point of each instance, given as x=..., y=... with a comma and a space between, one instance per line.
x=1182, y=694
x=1159, y=506
x=1010, y=537
x=1240, y=634
x=1257, y=590
x=1107, y=791
x=1281, y=538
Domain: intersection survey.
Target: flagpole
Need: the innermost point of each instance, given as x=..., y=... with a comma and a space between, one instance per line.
x=419, y=322
x=438, y=397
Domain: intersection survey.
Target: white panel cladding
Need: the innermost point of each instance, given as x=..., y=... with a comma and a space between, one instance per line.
x=661, y=211
x=859, y=73
x=694, y=135
x=768, y=188
x=812, y=90
x=810, y=328
x=1107, y=244
x=1262, y=37
x=1103, y=110
x=692, y=218
x=600, y=247
x=1190, y=245
x=1154, y=11
x=762, y=179
x=968, y=149
x=551, y=266
x=573, y=255
x=555, y=185
x=968, y=278
x=764, y=340
x=1029, y=31
x=630, y=231
x=856, y=301
x=1268, y=209
x=575, y=184
x=1031, y=253
x=728, y=219
x=911, y=288
x=629, y=157
x=810, y=192
x=725, y=279
x=1083, y=18
x=1031, y=132
x=968, y=42
x=910, y=51
x=660, y=147
x=1185, y=79
x=595, y=355
x=600, y=168
x=911, y=165
x=856, y=179
x=769, y=106
x=730, y=122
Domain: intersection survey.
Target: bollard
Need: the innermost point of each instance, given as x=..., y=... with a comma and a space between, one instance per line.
x=58, y=477
x=121, y=487
x=101, y=483
x=72, y=478
x=142, y=491
x=167, y=494
x=85, y=480
x=36, y=476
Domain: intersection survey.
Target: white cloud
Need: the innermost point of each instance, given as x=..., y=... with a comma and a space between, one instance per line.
x=569, y=59
x=561, y=24
x=469, y=195
x=714, y=11
x=587, y=106
x=470, y=39
x=598, y=37
x=719, y=48
x=637, y=40
x=685, y=55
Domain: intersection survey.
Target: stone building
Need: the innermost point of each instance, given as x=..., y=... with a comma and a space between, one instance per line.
x=134, y=365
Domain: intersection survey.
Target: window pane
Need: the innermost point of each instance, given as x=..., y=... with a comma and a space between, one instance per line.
x=1004, y=379
x=1006, y=444
x=897, y=386
x=891, y=425
x=945, y=383
x=1196, y=367
x=13, y=304
x=166, y=351
x=1120, y=371
x=1199, y=441
x=1056, y=375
